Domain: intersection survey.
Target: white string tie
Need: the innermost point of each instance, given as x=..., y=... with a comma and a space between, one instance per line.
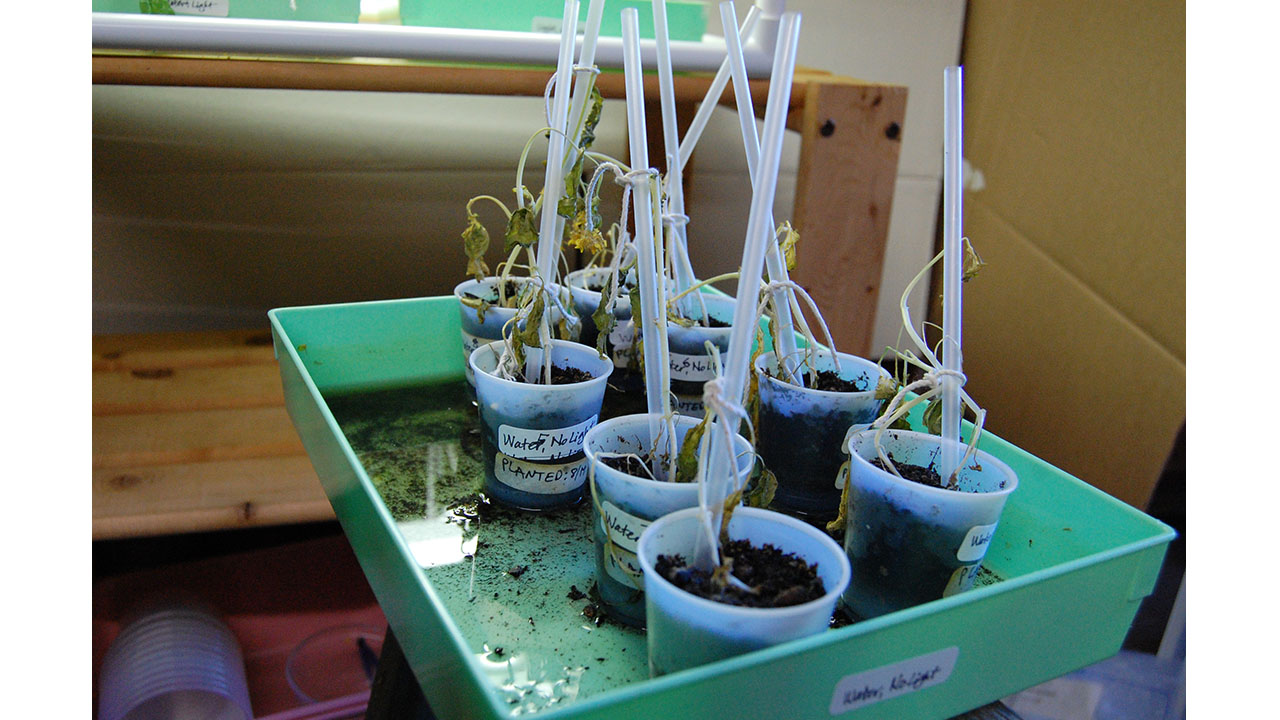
x=715, y=398
x=671, y=219
x=936, y=375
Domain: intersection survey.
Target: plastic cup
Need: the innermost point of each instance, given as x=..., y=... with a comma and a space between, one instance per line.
x=586, y=301
x=626, y=505
x=801, y=431
x=625, y=391
x=686, y=631
x=910, y=543
x=334, y=662
x=532, y=433
x=691, y=366
x=174, y=661
x=477, y=332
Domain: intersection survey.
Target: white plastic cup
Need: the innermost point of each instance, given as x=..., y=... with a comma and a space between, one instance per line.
x=625, y=392
x=174, y=661
x=630, y=504
x=586, y=301
x=691, y=366
x=685, y=630
x=477, y=332
x=910, y=543
x=532, y=433
x=801, y=431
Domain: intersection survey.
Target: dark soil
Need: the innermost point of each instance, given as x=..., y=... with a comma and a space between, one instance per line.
x=567, y=375
x=717, y=323
x=598, y=286
x=776, y=579
x=915, y=473
x=512, y=288
x=830, y=381
x=628, y=464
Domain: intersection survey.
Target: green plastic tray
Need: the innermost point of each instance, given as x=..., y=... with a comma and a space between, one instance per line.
x=487, y=639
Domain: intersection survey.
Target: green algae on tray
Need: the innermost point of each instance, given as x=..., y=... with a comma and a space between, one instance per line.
x=517, y=584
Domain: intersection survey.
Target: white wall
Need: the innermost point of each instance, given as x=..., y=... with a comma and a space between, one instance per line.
x=211, y=206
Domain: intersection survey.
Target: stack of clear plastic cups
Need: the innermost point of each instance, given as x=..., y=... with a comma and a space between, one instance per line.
x=176, y=660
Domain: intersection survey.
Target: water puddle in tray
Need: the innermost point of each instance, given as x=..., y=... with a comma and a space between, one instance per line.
x=516, y=584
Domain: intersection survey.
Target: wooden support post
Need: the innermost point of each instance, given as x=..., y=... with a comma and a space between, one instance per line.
x=850, y=138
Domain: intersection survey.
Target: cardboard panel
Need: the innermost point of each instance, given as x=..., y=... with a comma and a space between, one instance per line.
x=1075, y=114
x=1063, y=374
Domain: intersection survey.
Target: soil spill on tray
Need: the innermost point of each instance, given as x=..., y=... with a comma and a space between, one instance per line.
x=506, y=577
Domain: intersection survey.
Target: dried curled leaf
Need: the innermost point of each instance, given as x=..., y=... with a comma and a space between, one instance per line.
x=932, y=417
x=790, y=238
x=973, y=264
x=886, y=388
x=521, y=230
x=753, y=382
x=528, y=335
x=687, y=460
x=731, y=503
x=633, y=295
x=604, y=318
x=766, y=485
x=475, y=241
x=479, y=305
x=842, y=517
x=588, y=240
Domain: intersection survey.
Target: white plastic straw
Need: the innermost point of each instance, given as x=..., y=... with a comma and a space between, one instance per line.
x=952, y=268
x=548, y=239
x=651, y=276
x=776, y=264
x=578, y=105
x=720, y=476
x=682, y=270
x=718, y=84
x=586, y=59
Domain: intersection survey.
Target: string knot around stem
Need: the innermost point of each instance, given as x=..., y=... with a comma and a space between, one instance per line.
x=586, y=69
x=638, y=176
x=671, y=219
x=715, y=398
x=936, y=375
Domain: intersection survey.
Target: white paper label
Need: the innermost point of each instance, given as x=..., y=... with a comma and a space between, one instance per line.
x=690, y=405
x=621, y=338
x=624, y=567
x=890, y=681
x=540, y=479
x=471, y=342
x=622, y=527
x=975, y=543
x=692, y=368
x=207, y=8
x=961, y=580
x=555, y=444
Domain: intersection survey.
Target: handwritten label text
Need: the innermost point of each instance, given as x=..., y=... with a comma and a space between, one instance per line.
x=553, y=444
x=890, y=681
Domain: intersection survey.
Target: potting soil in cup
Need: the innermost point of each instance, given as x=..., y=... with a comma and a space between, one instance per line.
x=910, y=541
x=801, y=430
x=775, y=578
